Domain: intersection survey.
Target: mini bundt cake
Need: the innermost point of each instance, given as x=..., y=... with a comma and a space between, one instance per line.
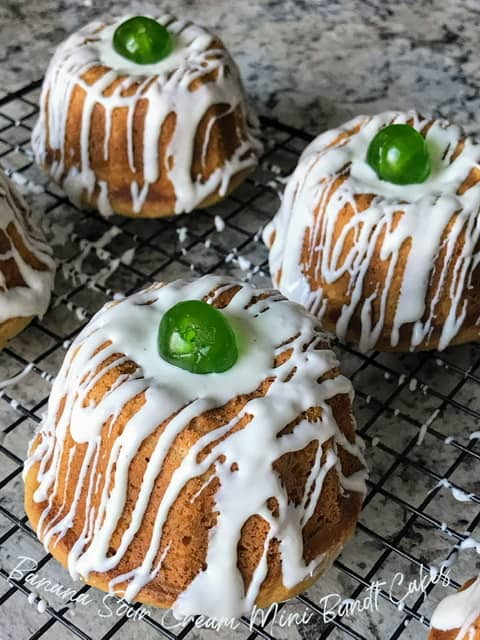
x=205, y=492
x=457, y=617
x=378, y=233
x=26, y=267
x=145, y=118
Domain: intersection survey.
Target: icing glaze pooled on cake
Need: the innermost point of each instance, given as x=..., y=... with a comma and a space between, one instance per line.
x=26, y=266
x=383, y=265
x=248, y=482
x=458, y=612
x=144, y=139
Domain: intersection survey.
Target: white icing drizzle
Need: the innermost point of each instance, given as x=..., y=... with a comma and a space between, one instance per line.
x=458, y=494
x=267, y=328
x=24, y=184
x=459, y=611
x=16, y=379
x=424, y=428
x=219, y=224
x=165, y=85
x=73, y=267
x=40, y=604
x=33, y=298
x=425, y=209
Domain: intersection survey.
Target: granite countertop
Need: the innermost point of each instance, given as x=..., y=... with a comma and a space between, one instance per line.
x=310, y=63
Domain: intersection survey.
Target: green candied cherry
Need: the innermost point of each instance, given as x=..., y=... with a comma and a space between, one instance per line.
x=399, y=154
x=197, y=337
x=142, y=40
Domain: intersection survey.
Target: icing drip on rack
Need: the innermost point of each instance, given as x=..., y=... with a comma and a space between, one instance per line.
x=459, y=611
x=26, y=266
x=439, y=215
x=127, y=332
x=165, y=86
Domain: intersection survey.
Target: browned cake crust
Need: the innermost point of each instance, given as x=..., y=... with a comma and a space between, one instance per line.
x=188, y=522
x=10, y=328
x=474, y=633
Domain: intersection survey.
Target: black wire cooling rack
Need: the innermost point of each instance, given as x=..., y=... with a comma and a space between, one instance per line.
x=418, y=414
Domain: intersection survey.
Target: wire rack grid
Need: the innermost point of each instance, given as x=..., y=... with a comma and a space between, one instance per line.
x=416, y=412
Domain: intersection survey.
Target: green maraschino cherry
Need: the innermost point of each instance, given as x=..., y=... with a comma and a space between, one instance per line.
x=197, y=337
x=399, y=154
x=142, y=40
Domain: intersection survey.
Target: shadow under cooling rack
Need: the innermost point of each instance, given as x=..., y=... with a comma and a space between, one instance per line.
x=415, y=412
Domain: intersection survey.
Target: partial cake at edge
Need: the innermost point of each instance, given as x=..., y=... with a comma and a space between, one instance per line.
x=27, y=268
x=457, y=617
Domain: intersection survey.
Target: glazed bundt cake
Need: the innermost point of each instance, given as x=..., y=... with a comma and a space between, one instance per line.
x=205, y=492
x=145, y=118
x=457, y=617
x=26, y=267
x=378, y=233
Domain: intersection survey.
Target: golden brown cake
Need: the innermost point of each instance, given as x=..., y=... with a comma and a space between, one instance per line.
x=208, y=493
x=26, y=266
x=383, y=266
x=457, y=617
x=146, y=140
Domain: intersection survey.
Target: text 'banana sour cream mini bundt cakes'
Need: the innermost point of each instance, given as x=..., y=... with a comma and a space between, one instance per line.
x=457, y=617
x=378, y=233
x=199, y=450
x=145, y=118
x=26, y=267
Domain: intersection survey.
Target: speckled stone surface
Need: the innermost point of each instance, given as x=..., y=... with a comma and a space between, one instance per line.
x=310, y=64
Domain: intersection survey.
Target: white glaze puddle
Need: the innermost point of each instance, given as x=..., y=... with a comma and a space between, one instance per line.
x=131, y=326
